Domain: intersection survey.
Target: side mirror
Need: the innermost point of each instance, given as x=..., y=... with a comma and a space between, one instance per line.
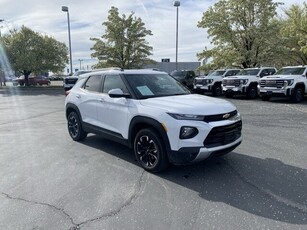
x=116, y=93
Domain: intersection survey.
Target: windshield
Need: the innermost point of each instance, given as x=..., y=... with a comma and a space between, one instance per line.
x=249, y=72
x=217, y=73
x=291, y=71
x=155, y=85
x=178, y=74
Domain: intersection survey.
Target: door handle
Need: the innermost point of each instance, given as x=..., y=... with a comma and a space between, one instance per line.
x=78, y=96
x=101, y=100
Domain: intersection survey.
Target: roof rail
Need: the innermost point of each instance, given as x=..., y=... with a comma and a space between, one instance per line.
x=108, y=68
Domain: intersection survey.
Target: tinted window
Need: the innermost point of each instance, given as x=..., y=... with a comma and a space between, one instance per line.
x=93, y=83
x=264, y=72
x=113, y=82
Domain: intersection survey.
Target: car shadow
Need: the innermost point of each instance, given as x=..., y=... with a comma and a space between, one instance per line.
x=264, y=187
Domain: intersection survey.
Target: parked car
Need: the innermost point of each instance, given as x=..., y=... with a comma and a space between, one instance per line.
x=32, y=80
x=186, y=77
x=290, y=81
x=246, y=82
x=152, y=113
x=70, y=81
x=213, y=82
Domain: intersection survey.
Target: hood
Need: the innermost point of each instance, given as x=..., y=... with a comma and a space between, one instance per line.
x=190, y=104
x=240, y=77
x=281, y=77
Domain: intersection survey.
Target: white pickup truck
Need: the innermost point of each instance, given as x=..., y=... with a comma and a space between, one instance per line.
x=289, y=81
x=246, y=82
x=213, y=82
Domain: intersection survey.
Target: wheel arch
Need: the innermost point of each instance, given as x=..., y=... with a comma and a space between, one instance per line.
x=254, y=83
x=300, y=85
x=72, y=108
x=140, y=122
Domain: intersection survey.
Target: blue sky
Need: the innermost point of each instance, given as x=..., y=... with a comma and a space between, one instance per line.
x=86, y=18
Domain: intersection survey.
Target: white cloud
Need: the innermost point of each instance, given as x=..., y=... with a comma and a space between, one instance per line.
x=86, y=19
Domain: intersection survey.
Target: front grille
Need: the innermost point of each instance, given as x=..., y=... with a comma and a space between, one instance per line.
x=223, y=135
x=220, y=117
x=200, y=81
x=232, y=82
x=272, y=83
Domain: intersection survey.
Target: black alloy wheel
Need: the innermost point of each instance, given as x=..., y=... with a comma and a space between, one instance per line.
x=74, y=127
x=252, y=92
x=297, y=95
x=150, y=151
x=217, y=90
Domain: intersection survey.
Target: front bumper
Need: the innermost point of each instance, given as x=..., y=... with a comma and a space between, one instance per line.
x=219, y=140
x=235, y=89
x=202, y=87
x=275, y=92
x=196, y=154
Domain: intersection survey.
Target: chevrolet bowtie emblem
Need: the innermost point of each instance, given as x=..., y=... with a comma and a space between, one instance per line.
x=226, y=116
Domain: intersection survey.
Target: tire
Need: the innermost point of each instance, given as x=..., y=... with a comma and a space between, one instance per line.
x=252, y=92
x=228, y=94
x=74, y=126
x=265, y=98
x=297, y=95
x=149, y=151
x=217, y=90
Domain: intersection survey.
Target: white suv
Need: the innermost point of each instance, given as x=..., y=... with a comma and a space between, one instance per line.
x=154, y=114
x=289, y=81
x=213, y=82
x=246, y=82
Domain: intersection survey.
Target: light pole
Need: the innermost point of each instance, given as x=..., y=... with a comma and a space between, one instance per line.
x=65, y=9
x=80, y=60
x=1, y=20
x=177, y=4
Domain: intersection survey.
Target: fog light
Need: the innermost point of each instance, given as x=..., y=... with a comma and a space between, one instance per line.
x=188, y=132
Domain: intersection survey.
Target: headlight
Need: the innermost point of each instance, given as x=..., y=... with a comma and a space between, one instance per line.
x=236, y=117
x=288, y=82
x=186, y=117
x=209, y=81
x=187, y=132
x=243, y=81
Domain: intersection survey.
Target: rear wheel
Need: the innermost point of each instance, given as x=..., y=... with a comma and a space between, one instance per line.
x=150, y=151
x=297, y=95
x=75, y=129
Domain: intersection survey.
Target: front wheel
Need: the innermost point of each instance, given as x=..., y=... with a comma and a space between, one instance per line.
x=75, y=129
x=150, y=151
x=252, y=92
x=217, y=90
x=297, y=95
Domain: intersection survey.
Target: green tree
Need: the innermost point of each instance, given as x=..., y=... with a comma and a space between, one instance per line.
x=123, y=44
x=294, y=33
x=29, y=51
x=242, y=32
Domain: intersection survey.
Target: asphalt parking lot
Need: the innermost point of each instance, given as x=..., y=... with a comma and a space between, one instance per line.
x=48, y=181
